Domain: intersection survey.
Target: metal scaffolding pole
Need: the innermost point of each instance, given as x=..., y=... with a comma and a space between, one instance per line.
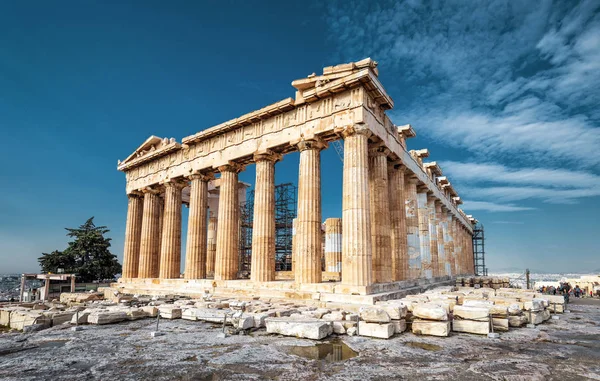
x=479, y=250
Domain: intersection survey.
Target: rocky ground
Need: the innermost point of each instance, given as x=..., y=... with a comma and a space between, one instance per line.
x=565, y=349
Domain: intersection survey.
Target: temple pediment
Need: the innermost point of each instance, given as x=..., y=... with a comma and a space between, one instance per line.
x=151, y=148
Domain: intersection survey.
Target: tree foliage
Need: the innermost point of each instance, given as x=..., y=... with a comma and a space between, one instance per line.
x=87, y=255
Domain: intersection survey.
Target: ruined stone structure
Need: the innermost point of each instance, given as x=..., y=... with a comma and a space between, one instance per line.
x=400, y=216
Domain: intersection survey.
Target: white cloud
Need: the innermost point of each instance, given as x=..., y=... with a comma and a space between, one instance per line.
x=500, y=78
x=492, y=207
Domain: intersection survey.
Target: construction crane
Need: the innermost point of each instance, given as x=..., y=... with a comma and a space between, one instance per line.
x=339, y=148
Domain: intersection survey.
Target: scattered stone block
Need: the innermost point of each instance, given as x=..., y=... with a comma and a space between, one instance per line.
x=396, y=312
x=315, y=330
x=472, y=313
x=471, y=326
x=169, y=311
x=373, y=315
x=431, y=327
x=150, y=310
x=333, y=315
x=428, y=311
x=399, y=325
x=517, y=320
x=500, y=324
x=338, y=327
x=351, y=331
x=107, y=317
x=381, y=331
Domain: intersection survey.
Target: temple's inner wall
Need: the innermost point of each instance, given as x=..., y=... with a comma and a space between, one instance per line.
x=348, y=102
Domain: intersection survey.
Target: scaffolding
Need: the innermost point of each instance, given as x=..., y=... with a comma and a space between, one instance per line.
x=479, y=250
x=285, y=212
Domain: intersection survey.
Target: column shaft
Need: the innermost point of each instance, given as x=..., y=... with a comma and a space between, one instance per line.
x=149, y=249
x=211, y=246
x=398, y=231
x=433, y=236
x=308, y=223
x=380, y=215
x=227, y=257
x=170, y=250
x=333, y=245
x=449, y=244
x=356, y=219
x=133, y=235
x=263, y=229
x=197, y=241
x=412, y=229
x=423, y=216
x=442, y=259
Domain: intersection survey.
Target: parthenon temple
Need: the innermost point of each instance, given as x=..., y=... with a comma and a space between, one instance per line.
x=400, y=219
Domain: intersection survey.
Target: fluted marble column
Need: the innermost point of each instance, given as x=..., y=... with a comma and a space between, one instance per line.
x=263, y=229
x=149, y=249
x=412, y=229
x=433, y=235
x=227, y=258
x=170, y=250
x=197, y=242
x=133, y=235
x=211, y=245
x=457, y=248
x=356, y=209
x=442, y=260
x=308, y=223
x=449, y=244
x=398, y=231
x=333, y=245
x=424, y=241
x=380, y=215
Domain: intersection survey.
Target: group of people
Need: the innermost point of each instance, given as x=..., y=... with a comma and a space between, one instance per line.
x=564, y=289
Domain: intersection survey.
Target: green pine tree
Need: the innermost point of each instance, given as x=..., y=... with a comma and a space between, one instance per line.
x=87, y=255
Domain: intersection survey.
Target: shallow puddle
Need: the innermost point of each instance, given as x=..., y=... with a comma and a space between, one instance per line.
x=329, y=351
x=425, y=346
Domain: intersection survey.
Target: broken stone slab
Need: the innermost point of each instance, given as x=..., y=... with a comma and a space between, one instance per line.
x=352, y=317
x=333, y=315
x=59, y=317
x=283, y=312
x=471, y=326
x=395, y=311
x=534, y=305
x=81, y=318
x=500, y=324
x=150, y=310
x=399, y=325
x=472, y=313
x=338, y=327
x=373, y=315
x=351, y=331
x=244, y=322
x=517, y=320
x=381, y=331
x=315, y=330
x=259, y=319
x=430, y=312
x=169, y=311
x=514, y=309
x=136, y=313
x=536, y=317
x=478, y=303
x=431, y=327
x=107, y=317
x=499, y=310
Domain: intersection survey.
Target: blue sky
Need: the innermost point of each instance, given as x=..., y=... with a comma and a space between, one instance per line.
x=504, y=94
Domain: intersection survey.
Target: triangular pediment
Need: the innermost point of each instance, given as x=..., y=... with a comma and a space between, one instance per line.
x=152, y=147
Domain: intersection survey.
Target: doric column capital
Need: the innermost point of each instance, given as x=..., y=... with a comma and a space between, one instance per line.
x=135, y=194
x=151, y=189
x=267, y=155
x=379, y=151
x=313, y=143
x=178, y=183
x=204, y=176
x=231, y=167
x=358, y=128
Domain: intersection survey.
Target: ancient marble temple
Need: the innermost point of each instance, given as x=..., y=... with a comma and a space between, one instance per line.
x=400, y=217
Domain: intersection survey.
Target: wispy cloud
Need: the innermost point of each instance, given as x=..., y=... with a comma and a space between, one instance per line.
x=493, y=207
x=557, y=186
x=499, y=78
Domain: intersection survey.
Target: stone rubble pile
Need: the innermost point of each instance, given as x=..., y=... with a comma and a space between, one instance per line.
x=483, y=281
x=436, y=312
